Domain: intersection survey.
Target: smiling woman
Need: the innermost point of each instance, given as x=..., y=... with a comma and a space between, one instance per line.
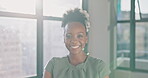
x=77, y=64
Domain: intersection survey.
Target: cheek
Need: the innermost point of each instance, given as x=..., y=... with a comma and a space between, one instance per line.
x=66, y=42
x=83, y=42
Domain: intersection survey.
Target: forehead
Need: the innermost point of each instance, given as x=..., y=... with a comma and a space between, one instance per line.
x=75, y=27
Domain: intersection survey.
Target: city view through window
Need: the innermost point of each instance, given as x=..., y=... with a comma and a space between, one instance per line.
x=141, y=35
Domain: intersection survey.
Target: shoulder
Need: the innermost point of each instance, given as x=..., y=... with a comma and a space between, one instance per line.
x=55, y=61
x=95, y=60
x=58, y=59
x=100, y=64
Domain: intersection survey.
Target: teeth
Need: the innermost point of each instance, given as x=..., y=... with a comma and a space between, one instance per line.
x=74, y=46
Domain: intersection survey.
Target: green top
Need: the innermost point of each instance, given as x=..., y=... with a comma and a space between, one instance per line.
x=91, y=68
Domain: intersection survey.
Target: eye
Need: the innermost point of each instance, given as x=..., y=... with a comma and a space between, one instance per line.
x=80, y=36
x=68, y=36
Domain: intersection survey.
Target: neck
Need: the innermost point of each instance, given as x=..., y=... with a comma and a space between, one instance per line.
x=77, y=59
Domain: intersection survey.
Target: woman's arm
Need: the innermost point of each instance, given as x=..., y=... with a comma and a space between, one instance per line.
x=47, y=74
x=106, y=77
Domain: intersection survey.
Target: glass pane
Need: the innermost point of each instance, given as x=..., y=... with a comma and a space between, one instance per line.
x=123, y=12
x=53, y=40
x=19, y=6
x=137, y=14
x=58, y=7
x=17, y=47
x=142, y=45
x=123, y=45
x=143, y=7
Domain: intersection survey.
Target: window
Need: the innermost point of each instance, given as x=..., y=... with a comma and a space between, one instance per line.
x=18, y=39
x=25, y=48
x=132, y=35
x=56, y=8
x=18, y=6
x=53, y=40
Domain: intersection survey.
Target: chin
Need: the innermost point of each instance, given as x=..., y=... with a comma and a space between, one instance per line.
x=75, y=52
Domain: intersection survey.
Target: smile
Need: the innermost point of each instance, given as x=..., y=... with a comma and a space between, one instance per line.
x=74, y=47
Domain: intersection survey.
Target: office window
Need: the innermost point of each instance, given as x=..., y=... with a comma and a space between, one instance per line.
x=124, y=9
x=17, y=47
x=18, y=39
x=18, y=6
x=132, y=54
x=141, y=52
x=143, y=9
x=53, y=40
x=56, y=8
x=123, y=45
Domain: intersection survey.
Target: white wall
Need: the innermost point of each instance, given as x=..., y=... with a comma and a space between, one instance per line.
x=99, y=36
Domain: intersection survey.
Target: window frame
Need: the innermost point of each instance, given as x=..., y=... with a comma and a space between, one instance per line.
x=132, y=22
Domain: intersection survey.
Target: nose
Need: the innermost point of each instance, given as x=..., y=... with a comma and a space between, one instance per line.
x=74, y=40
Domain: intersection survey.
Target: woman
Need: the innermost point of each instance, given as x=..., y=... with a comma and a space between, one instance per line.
x=77, y=64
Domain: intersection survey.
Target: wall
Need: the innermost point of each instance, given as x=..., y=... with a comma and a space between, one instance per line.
x=99, y=34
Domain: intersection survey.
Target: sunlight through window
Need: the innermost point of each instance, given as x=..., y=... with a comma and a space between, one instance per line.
x=19, y=6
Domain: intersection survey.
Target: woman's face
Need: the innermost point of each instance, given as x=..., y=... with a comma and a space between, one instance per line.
x=75, y=37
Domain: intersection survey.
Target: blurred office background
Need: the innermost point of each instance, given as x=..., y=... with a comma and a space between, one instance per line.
x=31, y=34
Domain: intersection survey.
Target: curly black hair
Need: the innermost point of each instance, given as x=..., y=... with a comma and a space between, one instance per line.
x=76, y=15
